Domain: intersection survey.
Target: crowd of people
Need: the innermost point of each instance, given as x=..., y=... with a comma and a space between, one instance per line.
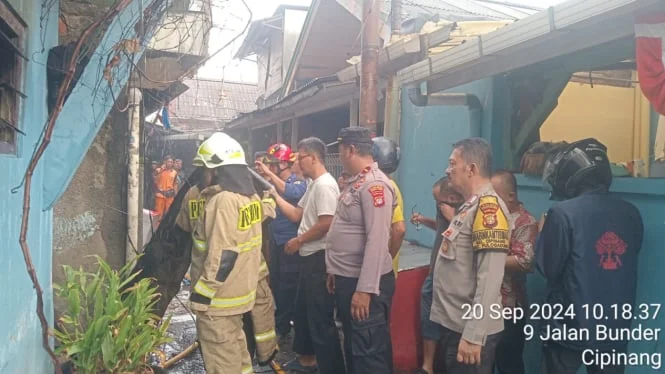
x=312, y=250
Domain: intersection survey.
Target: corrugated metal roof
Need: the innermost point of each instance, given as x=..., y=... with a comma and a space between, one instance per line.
x=211, y=103
x=463, y=10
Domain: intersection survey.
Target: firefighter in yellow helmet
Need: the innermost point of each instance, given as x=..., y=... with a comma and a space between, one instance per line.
x=227, y=257
x=261, y=318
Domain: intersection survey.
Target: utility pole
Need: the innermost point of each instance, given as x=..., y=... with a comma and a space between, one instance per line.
x=369, y=64
x=133, y=175
x=392, y=109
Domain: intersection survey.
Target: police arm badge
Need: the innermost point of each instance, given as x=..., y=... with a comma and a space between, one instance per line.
x=491, y=230
x=378, y=195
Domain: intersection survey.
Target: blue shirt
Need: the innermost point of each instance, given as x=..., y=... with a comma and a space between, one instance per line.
x=588, y=251
x=283, y=230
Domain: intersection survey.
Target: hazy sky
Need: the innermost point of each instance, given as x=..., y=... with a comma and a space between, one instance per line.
x=230, y=17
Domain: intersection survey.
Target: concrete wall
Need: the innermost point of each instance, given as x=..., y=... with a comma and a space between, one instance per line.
x=20, y=332
x=426, y=138
x=89, y=219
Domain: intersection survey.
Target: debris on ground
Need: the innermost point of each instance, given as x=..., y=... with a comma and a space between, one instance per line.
x=183, y=332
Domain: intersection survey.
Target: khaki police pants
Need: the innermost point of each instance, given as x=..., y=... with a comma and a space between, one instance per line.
x=223, y=344
x=263, y=321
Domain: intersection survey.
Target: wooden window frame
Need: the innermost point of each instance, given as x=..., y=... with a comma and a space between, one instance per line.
x=13, y=32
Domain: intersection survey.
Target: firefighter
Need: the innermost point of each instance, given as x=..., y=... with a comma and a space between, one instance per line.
x=276, y=167
x=588, y=252
x=387, y=154
x=259, y=324
x=226, y=275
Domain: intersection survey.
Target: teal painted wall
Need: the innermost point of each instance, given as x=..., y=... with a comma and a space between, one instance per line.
x=21, y=349
x=426, y=138
x=92, y=98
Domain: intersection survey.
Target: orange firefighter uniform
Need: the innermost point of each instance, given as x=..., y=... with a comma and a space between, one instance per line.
x=166, y=189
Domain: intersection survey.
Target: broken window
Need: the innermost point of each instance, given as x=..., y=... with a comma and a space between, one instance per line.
x=12, y=30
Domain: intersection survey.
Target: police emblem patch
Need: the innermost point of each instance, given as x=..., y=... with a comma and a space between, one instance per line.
x=377, y=195
x=490, y=226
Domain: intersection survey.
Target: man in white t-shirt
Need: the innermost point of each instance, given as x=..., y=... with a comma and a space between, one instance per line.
x=316, y=341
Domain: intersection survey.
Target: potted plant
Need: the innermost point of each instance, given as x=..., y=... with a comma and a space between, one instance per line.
x=108, y=329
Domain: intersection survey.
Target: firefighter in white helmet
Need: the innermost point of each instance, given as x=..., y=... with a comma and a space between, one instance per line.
x=261, y=318
x=229, y=235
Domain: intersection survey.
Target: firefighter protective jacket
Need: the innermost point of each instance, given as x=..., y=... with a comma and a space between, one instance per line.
x=231, y=222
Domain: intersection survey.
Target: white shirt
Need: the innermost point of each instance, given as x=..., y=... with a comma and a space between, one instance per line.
x=320, y=199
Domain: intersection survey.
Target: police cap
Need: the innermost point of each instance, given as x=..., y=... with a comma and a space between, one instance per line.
x=355, y=136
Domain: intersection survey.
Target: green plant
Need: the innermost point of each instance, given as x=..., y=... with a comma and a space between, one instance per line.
x=107, y=329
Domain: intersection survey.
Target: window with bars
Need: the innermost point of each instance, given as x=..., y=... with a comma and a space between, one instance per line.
x=12, y=32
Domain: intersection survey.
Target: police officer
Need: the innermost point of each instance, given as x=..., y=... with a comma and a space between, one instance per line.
x=386, y=153
x=588, y=252
x=470, y=265
x=229, y=238
x=357, y=257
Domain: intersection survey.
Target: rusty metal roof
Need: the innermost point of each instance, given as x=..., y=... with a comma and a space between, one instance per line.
x=211, y=104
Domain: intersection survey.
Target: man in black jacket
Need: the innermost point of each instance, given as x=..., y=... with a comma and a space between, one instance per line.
x=588, y=251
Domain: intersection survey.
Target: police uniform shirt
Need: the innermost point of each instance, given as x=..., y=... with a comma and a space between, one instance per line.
x=357, y=242
x=470, y=267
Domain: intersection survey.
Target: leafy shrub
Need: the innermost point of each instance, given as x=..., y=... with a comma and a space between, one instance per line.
x=108, y=329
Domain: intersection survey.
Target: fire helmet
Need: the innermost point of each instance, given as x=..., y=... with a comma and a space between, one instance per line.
x=280, y=152
x=386, y=153
x=220, y=150
x=198, y=161
x=581, y=165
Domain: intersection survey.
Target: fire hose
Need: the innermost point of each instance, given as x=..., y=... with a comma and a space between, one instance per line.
x=274, y=365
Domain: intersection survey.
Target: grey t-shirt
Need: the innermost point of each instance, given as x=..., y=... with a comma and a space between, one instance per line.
x=319, y=200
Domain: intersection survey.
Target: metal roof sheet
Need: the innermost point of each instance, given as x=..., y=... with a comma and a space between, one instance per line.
x=209, y=102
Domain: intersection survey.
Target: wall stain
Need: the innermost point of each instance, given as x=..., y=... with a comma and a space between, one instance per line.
x=80, y=227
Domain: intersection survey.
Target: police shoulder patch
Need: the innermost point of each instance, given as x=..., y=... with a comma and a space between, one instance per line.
x=377, y=192
x=490, y=226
